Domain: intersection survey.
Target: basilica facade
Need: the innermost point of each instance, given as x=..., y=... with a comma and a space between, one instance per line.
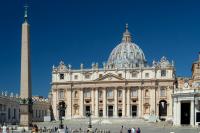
x=125, y=86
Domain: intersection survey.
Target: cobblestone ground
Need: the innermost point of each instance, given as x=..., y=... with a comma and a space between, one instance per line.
x=114, y=125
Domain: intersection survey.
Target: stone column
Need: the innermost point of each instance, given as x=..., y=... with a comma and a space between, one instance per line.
x=139, y=102
x=128, y=102
x=96, y=103
x=115, y=102
x=178, y=113
x=81, y=103
x=192, y=114
x=93, y=101
x=124, y=102
x=175, y=111
x=104, y=103
x=69, y=103
x=153, y=102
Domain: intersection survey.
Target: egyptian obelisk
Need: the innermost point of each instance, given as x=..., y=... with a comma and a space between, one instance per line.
x=25, y=83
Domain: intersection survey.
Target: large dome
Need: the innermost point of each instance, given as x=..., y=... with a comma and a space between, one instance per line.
x=126, y=54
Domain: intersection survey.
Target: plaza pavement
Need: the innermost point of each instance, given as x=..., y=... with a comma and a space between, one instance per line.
x=114, y=125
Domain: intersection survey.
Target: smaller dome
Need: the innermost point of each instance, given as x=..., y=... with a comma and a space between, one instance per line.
x=126, y=54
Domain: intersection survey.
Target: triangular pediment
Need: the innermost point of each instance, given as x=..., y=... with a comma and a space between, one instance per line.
x=110, y=77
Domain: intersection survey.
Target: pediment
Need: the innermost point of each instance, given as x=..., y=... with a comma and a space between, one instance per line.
x=110, y=77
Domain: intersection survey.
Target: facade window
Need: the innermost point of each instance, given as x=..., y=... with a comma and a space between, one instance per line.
x=120, y=93
x=62, y=76
x=134, y=75
x=9, y=113
x=120, y=75
x=162, y=92
x=75, y=76
x=163, y=73
x=87, y=93
x=61, y=94
x=146, y=93
x=134, y=92
x=1, y=107
x=100, y=75
x=110, y=93
x=75, y=94
x=100, y=94
x=87, y=76
x=146, y=75
x=14, y=115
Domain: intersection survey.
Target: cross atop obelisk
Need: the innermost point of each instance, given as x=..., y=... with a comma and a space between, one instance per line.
x=25, y=83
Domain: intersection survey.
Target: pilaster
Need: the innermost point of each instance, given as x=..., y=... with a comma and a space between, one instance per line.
x=104, y=103
x=96, y=103
x=128, y=102
x=124, y=102
x=115, y=102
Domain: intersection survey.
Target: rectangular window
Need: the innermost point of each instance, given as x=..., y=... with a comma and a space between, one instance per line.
x=87, y=94
x=87, y=76
x=134, y=93
x=146, y=75
x=120, y=75
x=100, y=94
x=100, y=76
x=134, y=75
x=163, y=73
x=109, y=93
x=75, y=76
x=61, y=94
x=162, y=92
x=62, y=76
x=120, y=93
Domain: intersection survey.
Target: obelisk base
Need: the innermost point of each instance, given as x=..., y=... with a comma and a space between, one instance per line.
x=25, y=117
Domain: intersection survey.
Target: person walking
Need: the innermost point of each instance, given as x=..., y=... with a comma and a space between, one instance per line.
x=121, y=130
x=129, y=130
x=133, y=130
x=138, y=130
x=4, y=128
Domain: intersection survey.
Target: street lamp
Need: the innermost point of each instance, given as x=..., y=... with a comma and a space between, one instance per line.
x=90, y=122
x=61, y=108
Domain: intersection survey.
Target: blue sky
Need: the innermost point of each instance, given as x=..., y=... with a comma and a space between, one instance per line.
x=86, y=31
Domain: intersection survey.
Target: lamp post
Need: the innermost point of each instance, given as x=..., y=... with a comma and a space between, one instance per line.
x=61, y=108
x=90, y=122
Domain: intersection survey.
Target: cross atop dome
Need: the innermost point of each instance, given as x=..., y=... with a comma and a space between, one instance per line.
x=126, y=35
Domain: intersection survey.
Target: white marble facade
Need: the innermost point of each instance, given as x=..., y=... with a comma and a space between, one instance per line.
x=126, y=86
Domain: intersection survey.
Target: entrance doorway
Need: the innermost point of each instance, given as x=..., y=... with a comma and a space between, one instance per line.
x=110, y=111
x=120, y=112
x=87, y=110
x=101, y=113
x=162, y=109
x=185, y=113
x=62, y=112
x=134, y=111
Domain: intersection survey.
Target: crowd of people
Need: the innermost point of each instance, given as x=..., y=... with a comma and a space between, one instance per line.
x=130, y=130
